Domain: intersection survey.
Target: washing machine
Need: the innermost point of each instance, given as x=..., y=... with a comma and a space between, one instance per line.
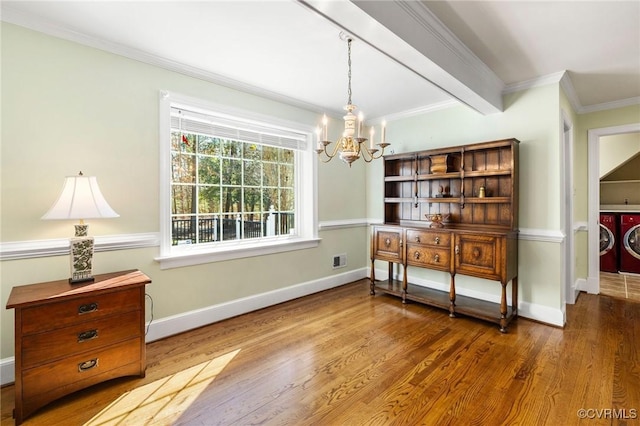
x=608, y=242
x=630, y=243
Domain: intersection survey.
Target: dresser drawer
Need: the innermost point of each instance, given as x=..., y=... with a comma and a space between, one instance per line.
x=54, y=315
x=42, y=347
x=432, y=238
x=433, y=258
x=82, y=368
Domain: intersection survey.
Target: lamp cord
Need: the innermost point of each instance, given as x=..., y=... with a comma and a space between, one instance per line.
x=151, y=319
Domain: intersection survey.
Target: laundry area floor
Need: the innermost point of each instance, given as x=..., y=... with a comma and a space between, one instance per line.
x=613, y=284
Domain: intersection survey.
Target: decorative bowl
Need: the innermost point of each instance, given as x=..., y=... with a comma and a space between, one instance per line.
x=436, y=220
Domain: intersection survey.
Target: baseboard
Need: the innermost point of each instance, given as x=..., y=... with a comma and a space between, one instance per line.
x=168, y=326
x=7, y=371
x=539, y=313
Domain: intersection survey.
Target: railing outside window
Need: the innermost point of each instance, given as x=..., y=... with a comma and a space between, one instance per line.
x=215, y=229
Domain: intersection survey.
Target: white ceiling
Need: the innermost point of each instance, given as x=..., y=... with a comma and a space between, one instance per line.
x=291, y=50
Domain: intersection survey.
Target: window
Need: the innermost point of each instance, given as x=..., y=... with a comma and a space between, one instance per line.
x=235, y=184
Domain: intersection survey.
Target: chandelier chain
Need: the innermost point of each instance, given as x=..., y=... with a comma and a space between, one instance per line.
x=349, y=73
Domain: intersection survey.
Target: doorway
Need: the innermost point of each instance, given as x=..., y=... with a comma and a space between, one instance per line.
x=594, y=135
x=569, y=290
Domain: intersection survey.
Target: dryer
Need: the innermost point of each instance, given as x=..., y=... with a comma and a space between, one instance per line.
x=608, y=242
x=630, y=243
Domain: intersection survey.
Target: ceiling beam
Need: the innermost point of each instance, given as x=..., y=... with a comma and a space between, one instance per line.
x=407, y=32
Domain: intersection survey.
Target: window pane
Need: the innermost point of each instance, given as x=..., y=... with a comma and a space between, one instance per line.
x=269, y=198
x=231, y=148
x=209, y=145
x=208, y=228
x=182, y=197
x=270, y=174
x=252, y=173
x=183, y=230
x=209, y=170
x=230, y=199
x=252, y=198
x=252, y=226
x=183, y=142
x=286, y=156
x=231, y=172
x=286, y=175
x=286, y=199
x=270, y=153
x=230, y=227
x=209, y=199
x=252, y=151
x=183, y=168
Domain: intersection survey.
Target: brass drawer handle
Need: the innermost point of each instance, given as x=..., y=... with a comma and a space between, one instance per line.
x=417, y=238
x=88, y=308
x=88, y=365
x=416, y=255
x=437, y=240
x=457, y=249
x=476, y=252
x=387, y=242
x=87, y=335
x=436, y=258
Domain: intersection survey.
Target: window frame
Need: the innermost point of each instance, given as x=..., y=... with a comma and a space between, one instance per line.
x=306, y=221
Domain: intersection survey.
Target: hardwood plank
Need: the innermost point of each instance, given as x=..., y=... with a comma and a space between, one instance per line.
x=343, y=357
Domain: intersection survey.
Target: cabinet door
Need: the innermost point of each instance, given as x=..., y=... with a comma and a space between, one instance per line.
x=387, y=244
x=478, y=255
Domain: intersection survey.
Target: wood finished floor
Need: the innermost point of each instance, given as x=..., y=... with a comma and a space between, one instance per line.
x=342, y=357
x=613, y=284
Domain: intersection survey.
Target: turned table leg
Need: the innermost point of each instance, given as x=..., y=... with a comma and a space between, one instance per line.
x=452, y=297
x=503, y=308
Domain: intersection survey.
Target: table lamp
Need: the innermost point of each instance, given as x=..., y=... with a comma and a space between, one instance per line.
x=80, y=199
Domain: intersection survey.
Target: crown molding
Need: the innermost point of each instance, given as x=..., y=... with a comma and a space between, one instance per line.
x=35, y=23
x=564, y=80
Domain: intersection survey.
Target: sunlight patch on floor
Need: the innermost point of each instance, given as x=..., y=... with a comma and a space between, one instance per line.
x=162, y=401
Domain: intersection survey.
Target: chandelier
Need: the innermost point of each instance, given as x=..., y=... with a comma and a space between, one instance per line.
x=351, y=146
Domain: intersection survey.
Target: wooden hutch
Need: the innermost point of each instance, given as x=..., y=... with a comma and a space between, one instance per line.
x=452, y=209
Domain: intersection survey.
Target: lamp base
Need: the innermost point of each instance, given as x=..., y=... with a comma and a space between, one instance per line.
x=81, y=259
x=81, y=280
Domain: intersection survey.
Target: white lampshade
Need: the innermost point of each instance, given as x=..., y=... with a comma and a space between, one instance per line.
x=80, y=199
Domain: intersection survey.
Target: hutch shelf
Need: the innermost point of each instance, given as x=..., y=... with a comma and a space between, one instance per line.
x=455, y=210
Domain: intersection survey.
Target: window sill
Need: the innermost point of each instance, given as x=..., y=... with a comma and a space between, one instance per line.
x=198, y=256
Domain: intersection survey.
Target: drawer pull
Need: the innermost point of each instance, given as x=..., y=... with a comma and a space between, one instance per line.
x=417, y=238
x=87, y=335
x=436, y=258
x=476, y=252
x=88, y=308
x=457, y=250
x=437, y=240
x=387, y=242
x=88, y=365
x=416, y=255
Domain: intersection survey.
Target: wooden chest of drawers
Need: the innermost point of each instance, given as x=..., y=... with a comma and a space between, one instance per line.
x=70, y=336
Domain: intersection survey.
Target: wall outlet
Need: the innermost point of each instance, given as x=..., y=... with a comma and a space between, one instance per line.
x=339, y=261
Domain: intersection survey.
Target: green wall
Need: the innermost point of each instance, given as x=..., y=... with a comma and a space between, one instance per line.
x=67, y=107
x=531, y=116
